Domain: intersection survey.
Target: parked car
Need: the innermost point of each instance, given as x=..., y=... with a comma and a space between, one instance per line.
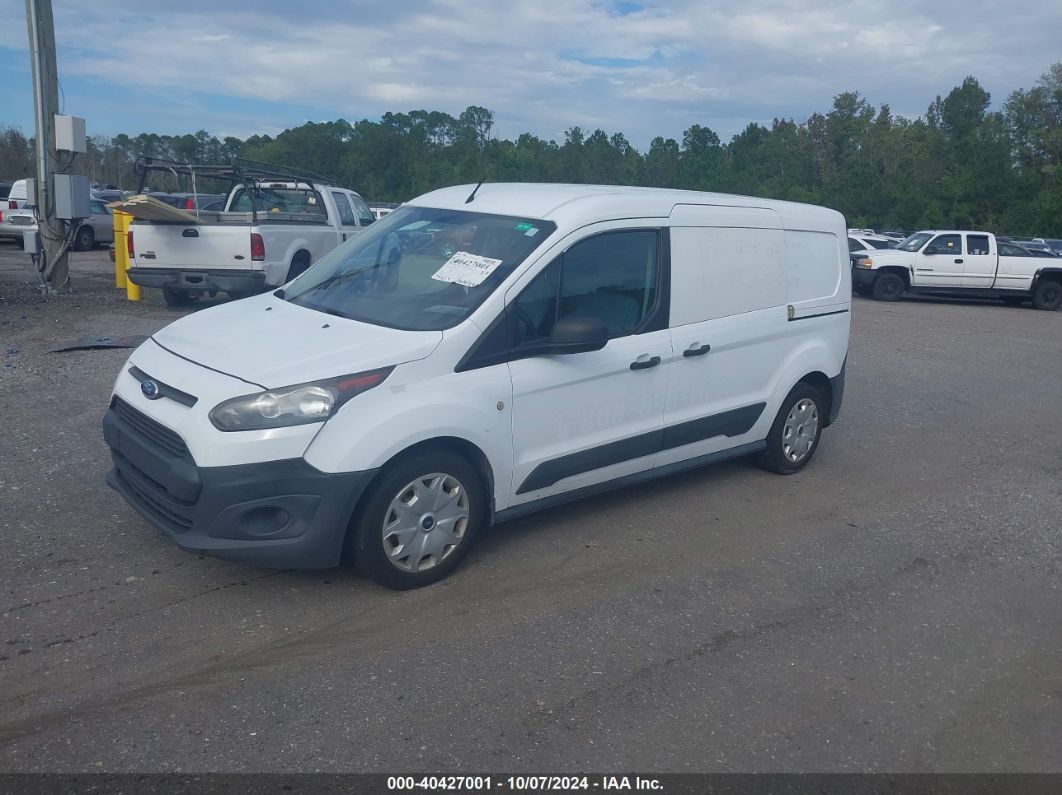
x=14, y=223
x=896, y=235
x=96, y=229
x=1055, y=245
x=380, y=209
x=5, y=189
x=17, y=194
x=188, y=201
x=961, y=263
x=864, y=242
x=588, y=338
x=1037, y=247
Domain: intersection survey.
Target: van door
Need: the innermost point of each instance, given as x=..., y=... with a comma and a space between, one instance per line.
x=585, y=418
x=728, y=327
x=980, y=260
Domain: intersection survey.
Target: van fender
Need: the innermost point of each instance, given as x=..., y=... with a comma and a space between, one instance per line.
x=368, y=434
x=810, y=357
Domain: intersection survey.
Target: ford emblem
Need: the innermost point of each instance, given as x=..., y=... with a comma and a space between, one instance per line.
x=150, y=389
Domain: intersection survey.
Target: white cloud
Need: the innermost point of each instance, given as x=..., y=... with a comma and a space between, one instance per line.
x=550, y=64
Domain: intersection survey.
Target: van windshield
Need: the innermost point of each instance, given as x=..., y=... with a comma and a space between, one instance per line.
x=419, y=268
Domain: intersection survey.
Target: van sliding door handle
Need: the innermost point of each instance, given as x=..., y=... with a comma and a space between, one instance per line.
x=697, y=350
x=645, y=364
x=958, y=262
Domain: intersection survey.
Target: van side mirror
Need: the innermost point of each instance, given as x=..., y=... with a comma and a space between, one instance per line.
x=575, y=334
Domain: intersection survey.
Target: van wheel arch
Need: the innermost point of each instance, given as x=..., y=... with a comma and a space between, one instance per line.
x=820, y=381
x=462, y=447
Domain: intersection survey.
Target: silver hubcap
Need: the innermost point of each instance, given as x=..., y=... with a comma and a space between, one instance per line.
x=801, y=427
x=425, y=522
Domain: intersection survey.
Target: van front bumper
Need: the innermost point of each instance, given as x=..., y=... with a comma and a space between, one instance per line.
x=206, y=280
x=276, y=514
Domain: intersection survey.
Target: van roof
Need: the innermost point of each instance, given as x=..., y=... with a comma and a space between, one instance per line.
x=602, y=202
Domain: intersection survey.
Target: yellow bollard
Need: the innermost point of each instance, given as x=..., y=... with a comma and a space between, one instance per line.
x=132, y=291
x=121, y=256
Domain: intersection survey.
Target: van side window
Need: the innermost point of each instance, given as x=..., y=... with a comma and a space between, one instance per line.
x=611, y=277
x=977, y=244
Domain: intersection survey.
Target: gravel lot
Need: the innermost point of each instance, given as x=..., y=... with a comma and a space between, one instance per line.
x=895, y=607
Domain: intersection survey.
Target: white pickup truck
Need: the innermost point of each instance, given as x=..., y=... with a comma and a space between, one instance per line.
x=270, y=230
x=960, y=263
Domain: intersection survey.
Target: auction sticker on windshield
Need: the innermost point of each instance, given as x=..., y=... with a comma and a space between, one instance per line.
x=468, y=270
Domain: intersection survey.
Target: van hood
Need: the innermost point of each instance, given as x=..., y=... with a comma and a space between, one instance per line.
x=272, y=343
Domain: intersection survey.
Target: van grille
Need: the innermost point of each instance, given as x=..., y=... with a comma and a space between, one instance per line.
x=154, y=432
x=151, y=496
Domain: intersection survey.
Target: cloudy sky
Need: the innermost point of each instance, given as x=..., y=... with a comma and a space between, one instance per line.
x=640, y=67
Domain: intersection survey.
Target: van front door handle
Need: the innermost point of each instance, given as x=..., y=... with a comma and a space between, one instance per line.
x=645, y=364
x=958, y=262
x=697, y=350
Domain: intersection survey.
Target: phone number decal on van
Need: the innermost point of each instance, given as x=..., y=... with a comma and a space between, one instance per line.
x=466, y=269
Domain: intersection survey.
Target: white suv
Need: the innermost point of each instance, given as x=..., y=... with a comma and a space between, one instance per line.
x=479, y=354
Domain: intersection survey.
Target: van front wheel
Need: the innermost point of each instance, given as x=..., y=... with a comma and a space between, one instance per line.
x=419, y=520
x=794, y=436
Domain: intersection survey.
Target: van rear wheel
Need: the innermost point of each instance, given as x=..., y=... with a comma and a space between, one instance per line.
x=794, y=436
x=888, y=287
x=419, y=520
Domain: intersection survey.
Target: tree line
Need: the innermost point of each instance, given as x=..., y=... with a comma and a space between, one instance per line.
x=959, y=165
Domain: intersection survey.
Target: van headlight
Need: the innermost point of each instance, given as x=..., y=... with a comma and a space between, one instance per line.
x=293, y=405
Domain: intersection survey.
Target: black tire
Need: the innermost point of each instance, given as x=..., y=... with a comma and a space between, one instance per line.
x=84, y=238
x=775, y=458
x=888, y=287
x=299, y=264
x=1013, y=300
x=177, y=298
x=368, y=546
x=1047, y=295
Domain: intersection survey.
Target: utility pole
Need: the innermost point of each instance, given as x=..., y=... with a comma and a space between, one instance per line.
x=54, y=232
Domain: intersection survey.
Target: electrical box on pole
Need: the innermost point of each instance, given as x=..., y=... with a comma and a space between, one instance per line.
x=70, y=134
x=71, y=197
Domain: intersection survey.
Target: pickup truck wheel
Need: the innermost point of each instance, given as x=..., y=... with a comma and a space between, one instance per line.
x=794, y=436
x=1047, y=295
x=888, y=287
x=84, y=238
x=419, y=519
x=177, y=298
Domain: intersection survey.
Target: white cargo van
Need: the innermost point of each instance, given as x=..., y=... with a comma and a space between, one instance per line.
x=479, y=354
